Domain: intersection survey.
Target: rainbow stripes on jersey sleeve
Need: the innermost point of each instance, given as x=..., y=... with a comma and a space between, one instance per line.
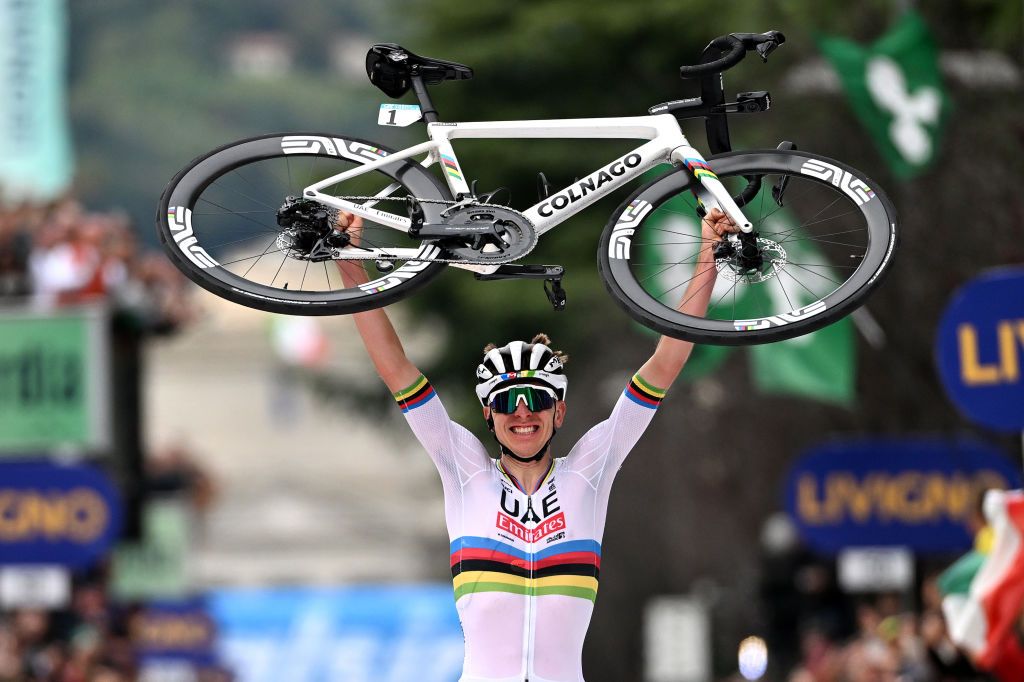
x=642, y=393
x=417, y=394
x=484, y=565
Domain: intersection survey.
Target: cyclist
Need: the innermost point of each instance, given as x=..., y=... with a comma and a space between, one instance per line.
x=526, y=529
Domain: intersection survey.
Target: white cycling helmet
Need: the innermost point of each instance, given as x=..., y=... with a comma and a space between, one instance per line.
x=520, y=363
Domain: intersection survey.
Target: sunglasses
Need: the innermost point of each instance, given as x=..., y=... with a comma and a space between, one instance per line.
x=536, y=398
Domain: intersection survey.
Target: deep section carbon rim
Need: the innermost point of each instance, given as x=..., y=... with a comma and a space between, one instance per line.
x=825, y=232
x=219, y=221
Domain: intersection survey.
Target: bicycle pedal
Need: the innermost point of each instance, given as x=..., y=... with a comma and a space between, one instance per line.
x=555, y=293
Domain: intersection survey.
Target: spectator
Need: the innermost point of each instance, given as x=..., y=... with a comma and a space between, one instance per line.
x=64, y=255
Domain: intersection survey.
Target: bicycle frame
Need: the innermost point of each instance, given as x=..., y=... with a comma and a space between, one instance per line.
x=666, y=144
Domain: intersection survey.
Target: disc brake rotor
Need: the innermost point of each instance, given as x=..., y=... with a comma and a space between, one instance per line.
x=774, y=259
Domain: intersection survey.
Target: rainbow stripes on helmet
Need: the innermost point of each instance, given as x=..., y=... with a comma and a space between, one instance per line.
x=519, y=362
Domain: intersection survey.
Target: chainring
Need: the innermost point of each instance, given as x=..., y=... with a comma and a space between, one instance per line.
x=516, y=236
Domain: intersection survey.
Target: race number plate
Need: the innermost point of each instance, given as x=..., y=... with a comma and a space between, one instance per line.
x=399, y=115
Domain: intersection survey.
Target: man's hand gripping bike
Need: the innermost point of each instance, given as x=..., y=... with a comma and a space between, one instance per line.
x=254, y=221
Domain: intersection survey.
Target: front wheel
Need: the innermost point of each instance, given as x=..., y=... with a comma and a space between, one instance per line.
x=230, y=221
x=825, y=235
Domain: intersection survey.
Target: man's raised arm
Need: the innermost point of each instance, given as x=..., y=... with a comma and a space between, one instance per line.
x=671, y=354
x=378, y=334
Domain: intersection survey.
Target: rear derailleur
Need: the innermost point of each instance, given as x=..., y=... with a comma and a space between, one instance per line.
x=307, y=230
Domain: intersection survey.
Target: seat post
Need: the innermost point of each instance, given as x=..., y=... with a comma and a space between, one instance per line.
x=418, y=87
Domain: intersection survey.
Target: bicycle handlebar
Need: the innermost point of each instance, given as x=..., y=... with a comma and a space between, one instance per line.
x=735, y=46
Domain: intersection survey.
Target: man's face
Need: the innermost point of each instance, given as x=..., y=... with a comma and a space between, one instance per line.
x=525, y=432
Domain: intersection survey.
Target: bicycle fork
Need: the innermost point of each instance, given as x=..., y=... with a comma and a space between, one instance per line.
x=711, y=192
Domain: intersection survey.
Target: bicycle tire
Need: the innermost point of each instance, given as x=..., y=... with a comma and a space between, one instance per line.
x=182, y=232
x=625, y=239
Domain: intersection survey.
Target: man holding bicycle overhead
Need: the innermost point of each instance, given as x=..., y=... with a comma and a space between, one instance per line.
x=526, y=529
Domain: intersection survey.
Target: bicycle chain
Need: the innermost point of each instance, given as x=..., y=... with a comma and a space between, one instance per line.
x=444, y=202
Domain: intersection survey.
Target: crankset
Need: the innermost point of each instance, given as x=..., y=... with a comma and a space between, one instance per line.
x=551, y=274
x=483, y=234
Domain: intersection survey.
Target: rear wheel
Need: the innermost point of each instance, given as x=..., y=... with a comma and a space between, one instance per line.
x=825, y=235
x=220, y=220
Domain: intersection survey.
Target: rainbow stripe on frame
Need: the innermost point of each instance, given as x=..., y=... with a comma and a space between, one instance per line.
x=451, y=167
x=700, y=168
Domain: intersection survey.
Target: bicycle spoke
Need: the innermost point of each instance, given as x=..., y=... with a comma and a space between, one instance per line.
x=797, y=280
x=806, y=222
x=710, y=282
x=279, y=269
x=731, y=289
x=243, y=194
x=272, y=242
x=825, y=220
x=817, y=273
x=827, y=234
x=251, y=220
x=243, y=239
x=687, y=280
x=670, y=266
x=683, y=234
x=823, y=265
x=229, y=212
x=790, y=199
x=786, y=294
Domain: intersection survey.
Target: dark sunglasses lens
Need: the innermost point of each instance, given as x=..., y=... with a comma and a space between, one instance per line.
x=536, y=400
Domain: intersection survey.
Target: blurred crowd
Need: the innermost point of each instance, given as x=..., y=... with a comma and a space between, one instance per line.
x=97, y=638
x=890, y=643
x=62, y=254
x=88, y=642
x=816, y=632
x=93, y=640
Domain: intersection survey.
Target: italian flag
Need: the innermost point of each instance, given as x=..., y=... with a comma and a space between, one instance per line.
x=985, y=620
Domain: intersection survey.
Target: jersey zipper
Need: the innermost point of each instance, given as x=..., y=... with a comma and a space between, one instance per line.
x=529, y=597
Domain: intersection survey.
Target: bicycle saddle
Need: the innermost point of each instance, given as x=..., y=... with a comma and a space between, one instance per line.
x=390, y=67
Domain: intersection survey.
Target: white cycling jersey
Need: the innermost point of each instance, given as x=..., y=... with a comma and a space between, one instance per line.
x=525, y=566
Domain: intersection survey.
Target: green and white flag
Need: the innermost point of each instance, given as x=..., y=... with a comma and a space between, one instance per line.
x=820, y=366
x=35, y=145
x=896, y=90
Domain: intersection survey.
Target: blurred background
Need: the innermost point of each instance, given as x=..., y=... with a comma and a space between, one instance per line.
x=192, y=490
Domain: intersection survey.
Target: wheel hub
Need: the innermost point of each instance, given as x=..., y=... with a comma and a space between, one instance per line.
x=307, y=230
x=754, y=261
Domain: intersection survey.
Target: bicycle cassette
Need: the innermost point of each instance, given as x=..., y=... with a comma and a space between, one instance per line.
x=512, y=238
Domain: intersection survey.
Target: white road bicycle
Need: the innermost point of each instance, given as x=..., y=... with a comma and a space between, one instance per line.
x=253, y=221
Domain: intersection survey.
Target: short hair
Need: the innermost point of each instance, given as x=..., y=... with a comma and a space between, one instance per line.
x=541, y=338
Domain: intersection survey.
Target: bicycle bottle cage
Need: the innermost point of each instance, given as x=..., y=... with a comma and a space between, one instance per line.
x=390, y=67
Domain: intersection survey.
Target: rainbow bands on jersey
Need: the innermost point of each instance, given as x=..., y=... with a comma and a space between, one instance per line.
x=568, y=568
x=536, y=398
x=642, y=393
x=415, y=394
